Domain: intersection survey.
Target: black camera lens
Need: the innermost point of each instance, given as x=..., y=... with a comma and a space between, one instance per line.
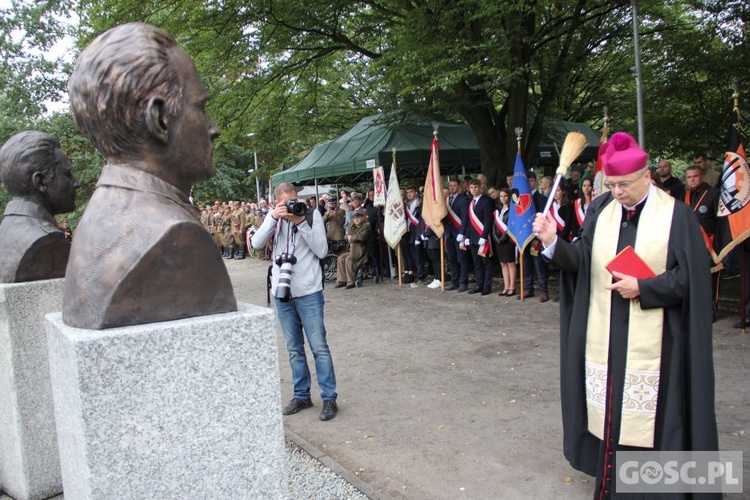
x=297, y=208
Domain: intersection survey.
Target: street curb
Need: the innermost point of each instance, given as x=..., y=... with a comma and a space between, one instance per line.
x=348, y=476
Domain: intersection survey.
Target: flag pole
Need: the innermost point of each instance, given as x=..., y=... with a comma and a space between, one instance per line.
x=399, y=264
x=442, y=263
x=379, y=241
x=519, y=138
x=743, y=290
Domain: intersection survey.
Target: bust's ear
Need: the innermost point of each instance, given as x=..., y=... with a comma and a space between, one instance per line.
x=37, y=180
x=156, y=121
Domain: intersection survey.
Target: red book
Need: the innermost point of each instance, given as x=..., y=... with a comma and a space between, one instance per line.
x=628, y=262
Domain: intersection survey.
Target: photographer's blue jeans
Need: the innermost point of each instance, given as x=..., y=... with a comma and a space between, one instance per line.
x=307, y=313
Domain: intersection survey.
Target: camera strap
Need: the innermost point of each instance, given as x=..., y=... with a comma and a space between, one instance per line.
x=291, y=237
x=268, y=285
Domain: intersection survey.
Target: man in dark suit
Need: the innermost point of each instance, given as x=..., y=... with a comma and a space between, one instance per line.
x=458, y=255
x=476, y=228
x=414, y=261
x=535, y=262
x=138, y=97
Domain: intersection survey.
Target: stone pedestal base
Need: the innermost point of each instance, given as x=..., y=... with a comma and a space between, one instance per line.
x=29, y=463
x=179, y=409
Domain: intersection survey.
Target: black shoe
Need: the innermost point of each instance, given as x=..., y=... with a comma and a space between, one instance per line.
x=340, y=284
x=475, y=290
x=330, y=409
x=451, y=287
x=526, y=295
x=486, y=291
x=462, y=288
x=349, y=287
x=739, y=323
x=296, y=405
x=408, y=278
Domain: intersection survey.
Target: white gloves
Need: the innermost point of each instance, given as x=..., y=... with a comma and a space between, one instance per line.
x=460, y=238
x=482, y=241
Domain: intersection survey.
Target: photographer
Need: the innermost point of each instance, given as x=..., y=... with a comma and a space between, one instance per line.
x=299, y=242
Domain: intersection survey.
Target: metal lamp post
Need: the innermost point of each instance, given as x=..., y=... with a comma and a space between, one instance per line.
x=255, y=169
x=638, y=79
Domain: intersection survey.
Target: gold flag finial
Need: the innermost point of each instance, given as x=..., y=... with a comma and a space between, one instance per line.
x=394, y=154
x=435, y=127
x=519, y=136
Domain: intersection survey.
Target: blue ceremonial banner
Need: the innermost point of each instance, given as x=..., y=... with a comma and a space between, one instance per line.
x=522, y=209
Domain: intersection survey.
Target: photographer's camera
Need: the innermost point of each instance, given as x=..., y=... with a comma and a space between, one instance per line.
x=296, y=207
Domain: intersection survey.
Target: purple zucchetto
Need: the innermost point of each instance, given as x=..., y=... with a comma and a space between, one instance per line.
x=623, y=155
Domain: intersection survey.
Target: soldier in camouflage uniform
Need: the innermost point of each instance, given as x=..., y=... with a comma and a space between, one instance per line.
x=237, y=221
x=224, y=232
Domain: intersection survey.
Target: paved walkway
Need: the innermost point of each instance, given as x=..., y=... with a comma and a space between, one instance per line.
x=457, y=396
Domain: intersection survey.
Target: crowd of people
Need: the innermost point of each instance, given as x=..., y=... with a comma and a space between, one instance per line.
x=476, y=240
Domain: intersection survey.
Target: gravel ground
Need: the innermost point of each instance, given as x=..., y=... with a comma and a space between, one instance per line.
x=310, y=479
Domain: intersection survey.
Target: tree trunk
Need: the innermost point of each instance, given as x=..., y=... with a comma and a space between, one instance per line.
x=489, y=128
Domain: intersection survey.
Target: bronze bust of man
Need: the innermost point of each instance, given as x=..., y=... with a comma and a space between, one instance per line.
x=36, y=172
x=140, y=254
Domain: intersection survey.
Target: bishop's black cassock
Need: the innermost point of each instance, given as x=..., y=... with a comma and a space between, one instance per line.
x=685, y=417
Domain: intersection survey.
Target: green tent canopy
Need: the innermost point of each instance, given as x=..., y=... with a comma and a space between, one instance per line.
x=373, y=138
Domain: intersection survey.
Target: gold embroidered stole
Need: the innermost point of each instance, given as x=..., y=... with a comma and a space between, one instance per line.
x=645, y=328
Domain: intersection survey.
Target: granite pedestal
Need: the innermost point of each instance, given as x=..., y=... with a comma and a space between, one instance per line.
x=179, y=409
x=29, y=463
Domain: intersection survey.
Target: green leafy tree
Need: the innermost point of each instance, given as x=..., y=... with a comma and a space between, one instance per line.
x=295, y=73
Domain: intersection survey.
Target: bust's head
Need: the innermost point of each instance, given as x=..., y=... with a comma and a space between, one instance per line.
x=138, y=97
x=34, y=167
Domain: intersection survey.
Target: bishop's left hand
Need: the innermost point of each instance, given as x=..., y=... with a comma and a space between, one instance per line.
x=626, y=286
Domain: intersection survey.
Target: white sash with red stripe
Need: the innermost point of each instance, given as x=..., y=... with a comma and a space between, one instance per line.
x=580, y=212
x=556, y=214
x=479, y=228
x=501, y=226
x=453, y=216
x=412, y=220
